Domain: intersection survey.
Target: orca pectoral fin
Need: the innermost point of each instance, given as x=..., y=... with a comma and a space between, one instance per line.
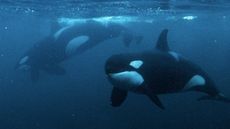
x=34, y=74
x=55, y=69
x=156, y=101
x=218, y=97
x=118, y=97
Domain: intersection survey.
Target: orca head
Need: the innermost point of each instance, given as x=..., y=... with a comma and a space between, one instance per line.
x=24, y=64
x=123, y=71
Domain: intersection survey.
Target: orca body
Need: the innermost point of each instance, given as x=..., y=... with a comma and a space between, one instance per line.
x=155, y=72
x=65, y=43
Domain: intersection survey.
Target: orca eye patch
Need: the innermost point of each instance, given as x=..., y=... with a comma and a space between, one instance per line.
x=136, y=64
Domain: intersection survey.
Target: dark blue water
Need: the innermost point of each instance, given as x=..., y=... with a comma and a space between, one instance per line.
x=198, y=30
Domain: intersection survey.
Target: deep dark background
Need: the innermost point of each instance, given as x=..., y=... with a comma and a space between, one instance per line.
x=81, y=98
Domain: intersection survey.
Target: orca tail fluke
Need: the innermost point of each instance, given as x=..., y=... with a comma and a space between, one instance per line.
x=219, y=97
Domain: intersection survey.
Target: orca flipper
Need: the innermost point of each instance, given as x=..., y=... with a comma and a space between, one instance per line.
x=162, y=42
x=34, y=74
x=218, y=97
x=156, y=101
x=118, y=97
x=55, y=69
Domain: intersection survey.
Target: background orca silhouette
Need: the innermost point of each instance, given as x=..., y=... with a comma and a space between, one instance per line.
x=69, y=41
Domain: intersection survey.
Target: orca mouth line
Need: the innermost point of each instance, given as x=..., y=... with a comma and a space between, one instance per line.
x=129, y=74
x=109, y=71
x=113, y=73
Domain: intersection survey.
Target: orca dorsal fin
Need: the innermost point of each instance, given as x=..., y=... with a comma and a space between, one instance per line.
x=162, y=42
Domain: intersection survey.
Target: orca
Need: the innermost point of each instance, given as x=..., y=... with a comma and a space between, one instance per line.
x=47, y=54
x=156, y=72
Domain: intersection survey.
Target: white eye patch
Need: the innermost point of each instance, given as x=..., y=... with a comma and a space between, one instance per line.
x=23, y=60
x=196, y=80
x=136, y=64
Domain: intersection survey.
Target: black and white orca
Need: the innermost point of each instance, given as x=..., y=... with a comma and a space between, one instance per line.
x=68, y=41
x=155, y=72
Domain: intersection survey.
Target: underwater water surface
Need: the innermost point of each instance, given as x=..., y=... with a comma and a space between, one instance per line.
x=198, y=29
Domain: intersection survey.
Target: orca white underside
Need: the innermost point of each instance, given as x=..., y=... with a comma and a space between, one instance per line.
x=196, y=80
